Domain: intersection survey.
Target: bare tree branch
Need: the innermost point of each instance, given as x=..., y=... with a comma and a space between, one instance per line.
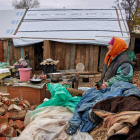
x=131, y=9
x=23, y=4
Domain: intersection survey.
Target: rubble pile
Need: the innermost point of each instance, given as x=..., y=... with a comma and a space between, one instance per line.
x=12, y=115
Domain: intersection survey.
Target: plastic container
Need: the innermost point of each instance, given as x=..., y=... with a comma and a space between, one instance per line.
x=24, y=74
x=48, y=69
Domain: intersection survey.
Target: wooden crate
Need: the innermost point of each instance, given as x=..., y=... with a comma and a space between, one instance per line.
x=32, y=95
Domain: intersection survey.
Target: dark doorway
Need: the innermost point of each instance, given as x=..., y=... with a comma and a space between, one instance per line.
x=38, y=55
x=137, y=46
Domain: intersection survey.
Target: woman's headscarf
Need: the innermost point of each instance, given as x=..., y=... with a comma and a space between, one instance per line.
x=119, y=45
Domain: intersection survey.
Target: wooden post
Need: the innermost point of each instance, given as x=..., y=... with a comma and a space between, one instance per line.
x=21, y=21
x=72, y=56
x=5, y=44
x=103, y=53
x=46, y=49
x=91, y=57
x=132, y=44
x=95, y=58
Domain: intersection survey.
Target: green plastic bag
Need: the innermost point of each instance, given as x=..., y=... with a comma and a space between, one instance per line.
x=60, y=97
x=131, y=55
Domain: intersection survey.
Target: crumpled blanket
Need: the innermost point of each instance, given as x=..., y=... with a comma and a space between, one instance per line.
x=48, y=123
x=119, y=105
x=92, y=96
x=118, y=124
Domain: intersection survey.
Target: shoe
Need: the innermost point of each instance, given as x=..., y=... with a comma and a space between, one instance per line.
x=71, y=129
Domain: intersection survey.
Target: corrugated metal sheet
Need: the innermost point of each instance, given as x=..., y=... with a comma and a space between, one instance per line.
x=86, y=26
x=9, y=21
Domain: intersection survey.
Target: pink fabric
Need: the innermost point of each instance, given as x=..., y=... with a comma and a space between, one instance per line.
x=111, y=41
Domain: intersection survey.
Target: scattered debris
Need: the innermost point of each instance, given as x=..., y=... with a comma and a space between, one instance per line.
x=12, y=117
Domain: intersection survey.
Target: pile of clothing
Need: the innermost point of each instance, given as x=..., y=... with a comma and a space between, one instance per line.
x=114, y=111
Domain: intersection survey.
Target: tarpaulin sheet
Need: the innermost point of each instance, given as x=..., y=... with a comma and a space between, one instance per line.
x=9, y=21
x=79, y=26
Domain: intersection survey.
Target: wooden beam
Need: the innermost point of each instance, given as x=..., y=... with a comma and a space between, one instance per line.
x=124, y=22
x=67, y=60
x=20, y=21
x=119, y=20
x=10, y=55
x=53, y=38
x=46, y=50
x=95, y=58
x=5, y=44
x=91, y=57
x=87, y=58
x=132, y=44
x=72, y=56
x=102, y=56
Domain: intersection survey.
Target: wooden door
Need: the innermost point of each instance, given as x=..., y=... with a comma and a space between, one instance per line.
x=1, y=51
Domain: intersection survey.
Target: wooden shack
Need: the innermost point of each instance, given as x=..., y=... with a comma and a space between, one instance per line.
x=69, y=55
x=71, y=36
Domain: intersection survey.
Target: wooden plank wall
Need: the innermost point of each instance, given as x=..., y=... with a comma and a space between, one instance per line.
x=102, y=56
x=5, y=44
x=30, y=51
x=1, y=51
x=15, y=53
x=70, y=55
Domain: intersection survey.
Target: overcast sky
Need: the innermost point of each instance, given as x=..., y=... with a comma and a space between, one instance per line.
x=7, y=4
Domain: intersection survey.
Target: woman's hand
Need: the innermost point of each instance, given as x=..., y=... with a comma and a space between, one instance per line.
x=103, y=86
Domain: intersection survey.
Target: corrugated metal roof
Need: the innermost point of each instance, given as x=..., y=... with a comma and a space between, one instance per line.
x=9, y=21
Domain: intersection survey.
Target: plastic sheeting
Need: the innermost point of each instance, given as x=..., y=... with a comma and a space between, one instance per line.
x=61, y=97
x=79, y=26
x=9, y=22
x=49, y=123
x=25, y=42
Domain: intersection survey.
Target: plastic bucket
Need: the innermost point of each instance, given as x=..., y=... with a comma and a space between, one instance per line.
x=24, y=74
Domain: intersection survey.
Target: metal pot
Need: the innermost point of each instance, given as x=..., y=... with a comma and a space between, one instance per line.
x=35, y=81
x=55, y=77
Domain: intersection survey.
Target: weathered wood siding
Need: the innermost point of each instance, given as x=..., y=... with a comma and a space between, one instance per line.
x=70, y=55
x=1, y=51
x=15, y=53
x=102, y=56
